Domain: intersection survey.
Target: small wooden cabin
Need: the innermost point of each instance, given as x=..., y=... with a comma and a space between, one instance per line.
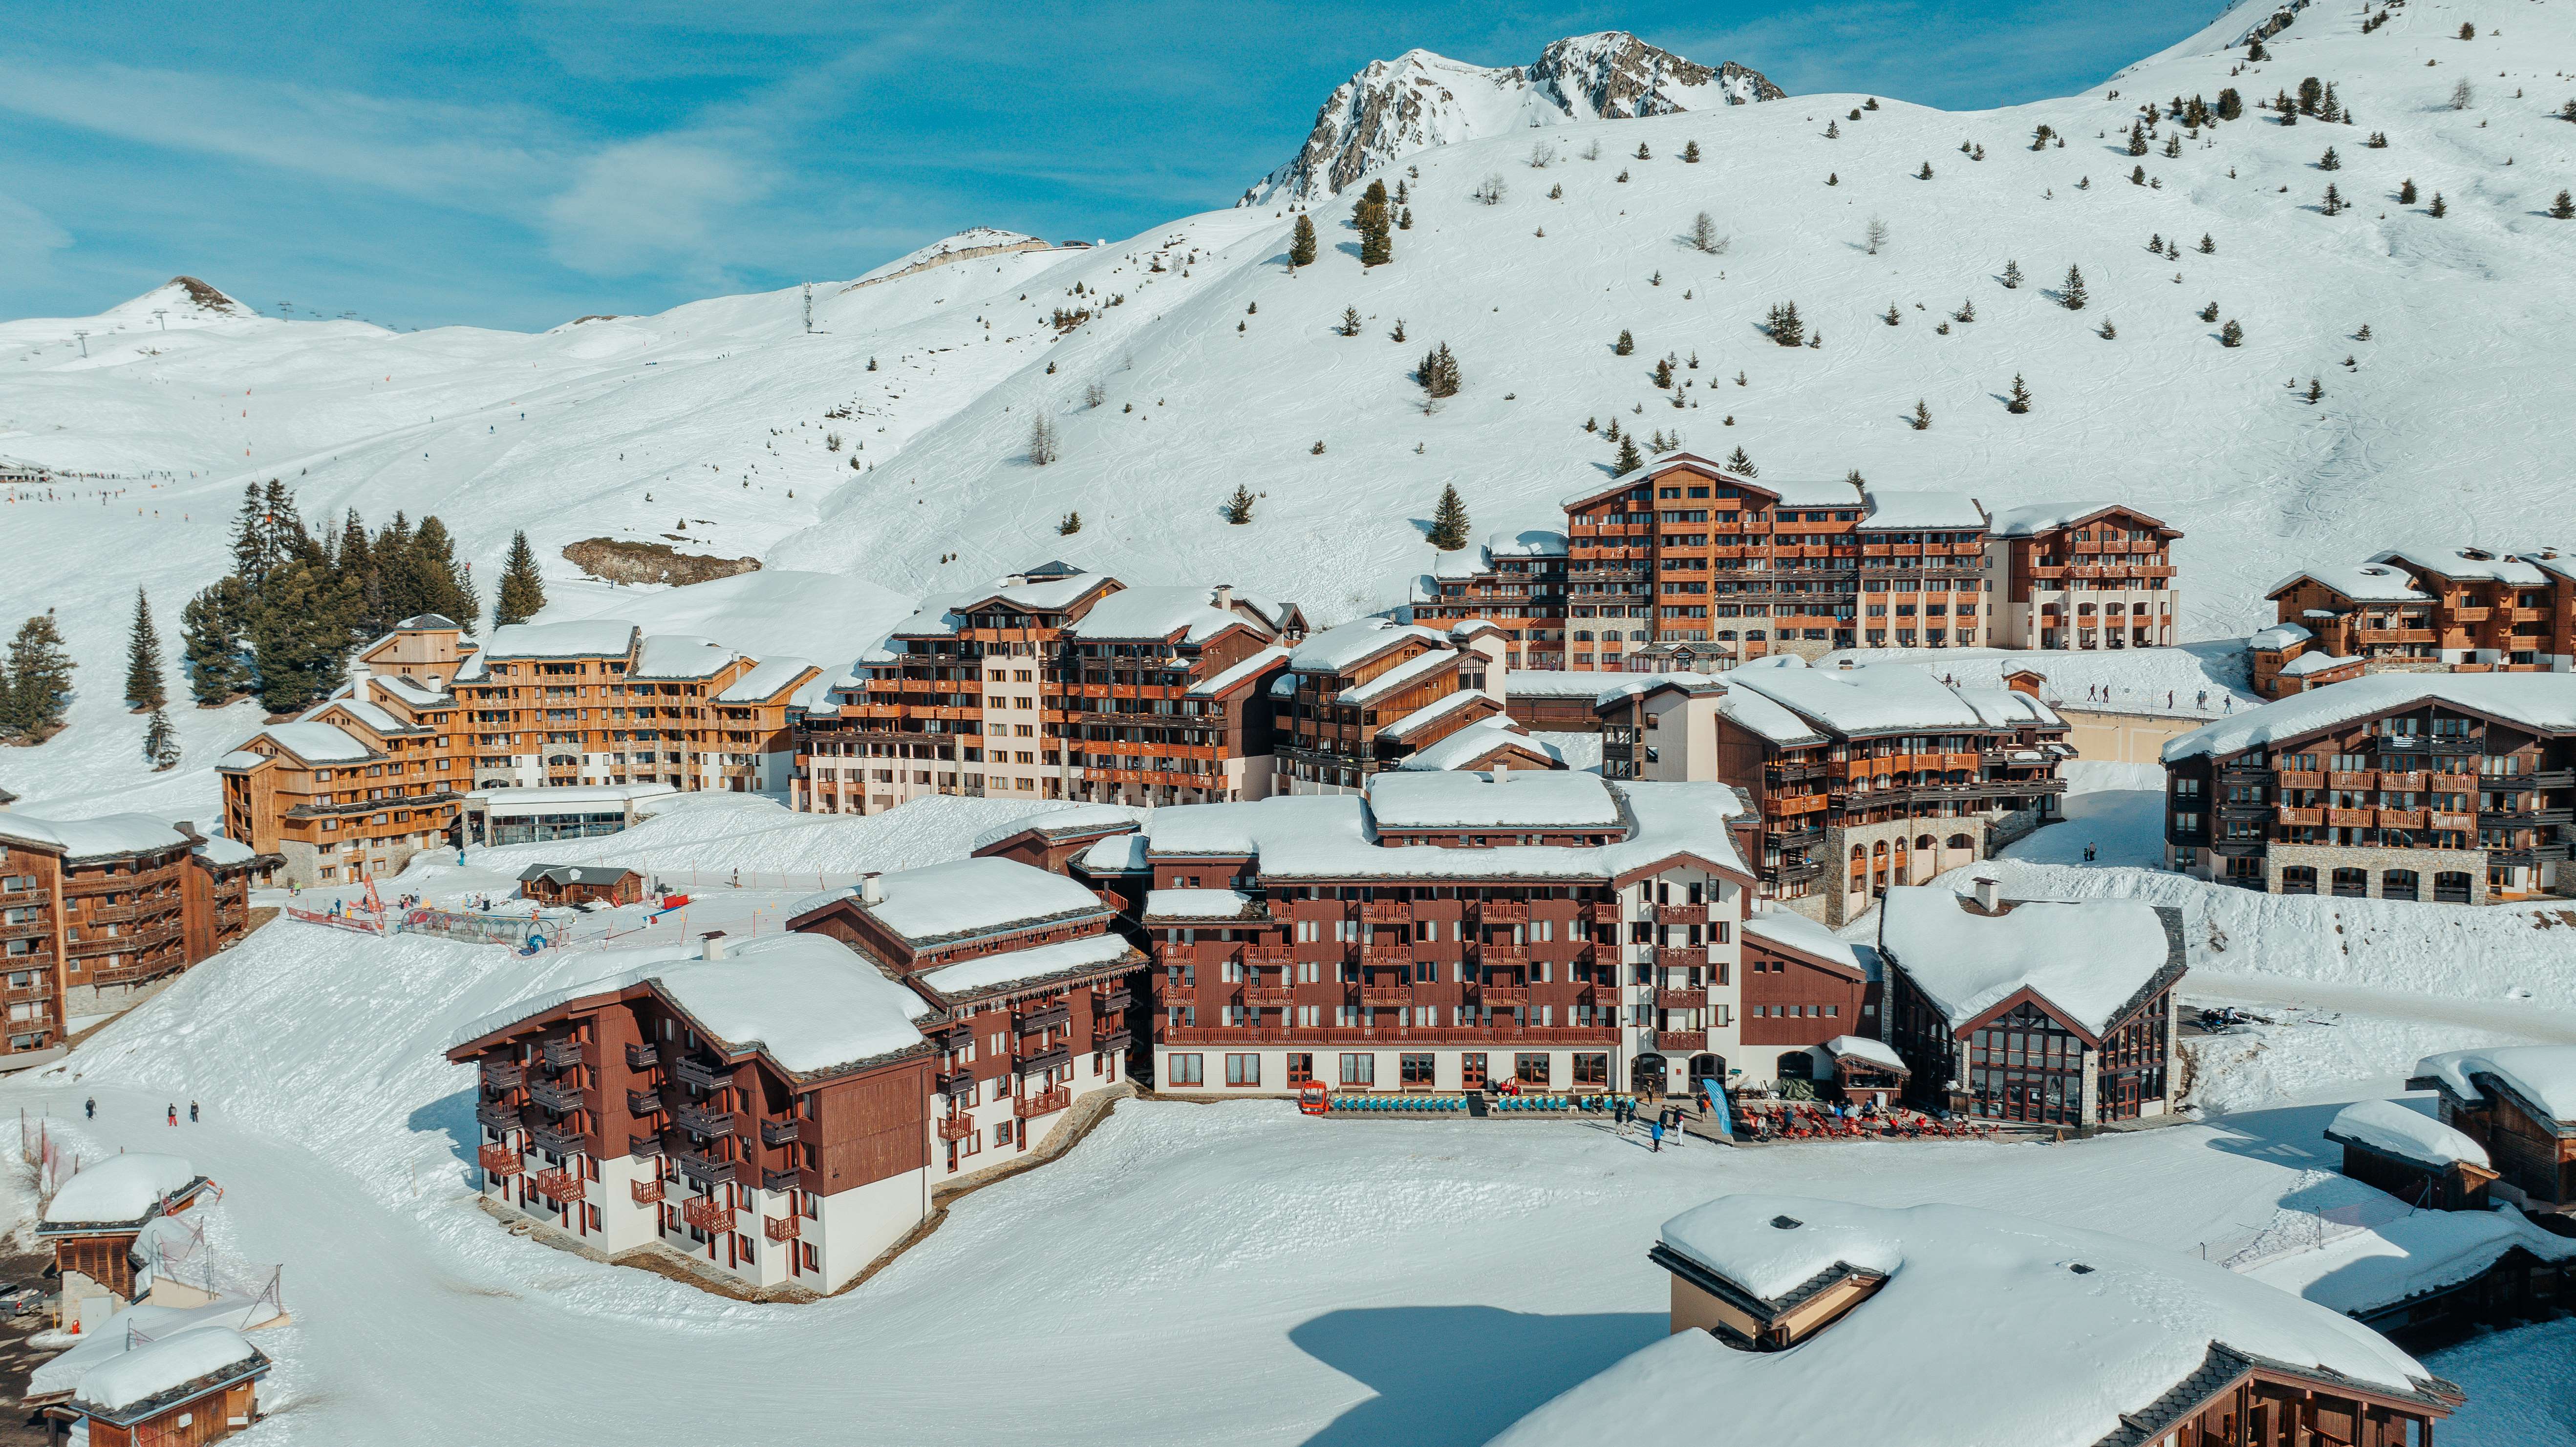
x=2412, y=1156
x=582, y=884
x=93, y=1219
x=1866, y=1071
x=2518, y=1103
x=196, y=1386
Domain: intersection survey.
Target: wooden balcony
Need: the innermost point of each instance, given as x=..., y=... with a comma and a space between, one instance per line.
x=2351, y=818
x=2302, y=816
x=644, y=1147
x=2439, y=819
x=643, y=1102
x=1503, y=911
x=1046, y=1102
x=2300, y=779
x=563, y=1054
x=1686, y=1040
x=1504, y=956
x=645, y=1192
x=500, y=1160
x=554, y=1095
x=1606, y=912
x=707, y=1213
x=1039, y=1021
x=1121, y=997
x=782, y=1228
x=561, y=1142
x=1681, y=999
x=2402, y=818
x=956, y=1127
x=781, y=1132
x=706, y=1170
x=1042, y=1060
x=1386, y=911
x=697, y=1120
x=1681, y=914
x=560, y=1185
x=704, y=1074
x=2405, y=781
x=642, y=1057
x=499, y=1076
x=960, y=1081
x=1681, y=956
x=1272, y=993
x=1386, y=994
x=2366, y=780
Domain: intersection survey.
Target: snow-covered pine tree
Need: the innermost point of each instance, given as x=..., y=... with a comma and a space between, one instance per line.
x=2070, y=293
x=1238, y=508
x=2012, y=275
x=2020, y=396
x=39, y=673
x=1449, y=526
x=145, y=689
x=1740, y=464
x=523, y=592
x=2564, y=208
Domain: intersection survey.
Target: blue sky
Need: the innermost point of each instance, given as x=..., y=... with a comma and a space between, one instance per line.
x=516, y=166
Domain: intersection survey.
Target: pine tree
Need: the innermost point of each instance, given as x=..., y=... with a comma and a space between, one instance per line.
x=1740, y=464
x=144, y=687
x=1449, y=521
x=1350, y=321
x=2329, y=161
x=39, y=673
x=2437, y=209
x=523, y=593
x=2406, y=192
x=1628, y=460
x=2332, y=205
x=1642, y=153
x=1833, y=130
x=2209, y=313
x=1925, y=174
x=2230, y=104
x=2564, y=208
x=2316, y=390
x=250, y=538
x=160, y=742
x=439, y=581
x=2137, y=138
x=2311, y=90
x=1663, y=371
x=210, y=640
x=2020, y=396
x=1071, y=524
x=1690, y=152
x=2231, y=335
x=1967, y=311
x=2109, y=331
x=1238, y=508
x=1785, y=326
x=2070, y=293
x=1922, y=415
x=297, y=636
x=1301, y=244
x=2012, y=275
x=2207, y=246
x=1377, y=233
x=1439, y=372
x=1624, y=346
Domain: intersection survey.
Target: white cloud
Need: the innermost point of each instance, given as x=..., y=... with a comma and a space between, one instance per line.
x=639, y=205
x=27, y=234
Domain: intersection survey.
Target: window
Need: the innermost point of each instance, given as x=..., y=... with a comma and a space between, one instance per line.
x=1359, y=1070
x=1301, y=1066
x=1530, y=1067
x=1184, y=1069
x=1591, y=1068
x=1416, y=1071
x=1243, y=1070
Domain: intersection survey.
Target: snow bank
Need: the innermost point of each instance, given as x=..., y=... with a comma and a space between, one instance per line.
x=124, y=1187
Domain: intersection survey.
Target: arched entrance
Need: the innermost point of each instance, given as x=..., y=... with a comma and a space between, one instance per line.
x=1797, y=1065
x=1706, y=1067
x=1646, y=1075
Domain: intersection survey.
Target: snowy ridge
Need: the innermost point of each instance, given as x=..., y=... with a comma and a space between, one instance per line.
x=1393, y=108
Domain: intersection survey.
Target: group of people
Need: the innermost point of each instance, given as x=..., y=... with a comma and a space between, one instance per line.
x=1664, y=1122
x=89, y=1111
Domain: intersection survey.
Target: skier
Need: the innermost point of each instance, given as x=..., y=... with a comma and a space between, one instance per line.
x=174, y=1114
x=192, y=1112
x=89, y=1107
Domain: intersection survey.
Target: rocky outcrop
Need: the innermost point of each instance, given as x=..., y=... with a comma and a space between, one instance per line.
x=1393, y=108
x=620, y=560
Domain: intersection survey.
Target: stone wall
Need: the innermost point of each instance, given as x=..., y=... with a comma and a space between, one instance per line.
x=1837, y=848
x=2325, y=859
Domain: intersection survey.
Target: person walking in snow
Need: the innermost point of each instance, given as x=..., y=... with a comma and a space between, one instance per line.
x=89, y=1108
x=1656, y=1130
x=2203, y=700
x=192, y=1112
x=174, y=1114
x=2169, y=698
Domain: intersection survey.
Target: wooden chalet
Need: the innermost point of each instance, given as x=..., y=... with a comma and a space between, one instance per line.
x=2444, y=787
x=555, y=884
x=194, y=1386
x=2086, y=575
x=1811, y=1323
x=92, y=1221
x=1034, y=989
x=763, y=1109
x=2518, y=1105
x=2039, y=1012
x=1364, y=696
x=2412, y=1156
x=2419, y=609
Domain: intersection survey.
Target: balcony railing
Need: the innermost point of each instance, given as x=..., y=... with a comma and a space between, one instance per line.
x=645, y=1192
x=1038, y=1021
x=1386, y=994
x=561, y=1142
x=781, y=1132
x=497, y=1115
x=782, y=1228
x=1386, y=911
x=554, y=1095
x=1503, y=911
x=699, y=1121
x=559, y=1054
x=643, y=1102
x=1681, y=914
x=1043, y=1103
x=960, y=1081
x=956, y=1127
x=708, y=1213
x=500, y=1160
x=1681, y=956
x=706, y=1170
x=1061, y=1055
x=1681, y=1039
x=1118, y=1039
x=560, y=1185
x=702, y=1073
x=499, y=1076
x=644, y=1147
x=642, y=1057
x=1681, y=999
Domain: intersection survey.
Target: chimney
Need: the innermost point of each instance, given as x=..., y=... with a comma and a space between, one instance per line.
x=1501, y=767
x=1985, y=894
x=1223, y=598
x=871, y=889
x=713, y=946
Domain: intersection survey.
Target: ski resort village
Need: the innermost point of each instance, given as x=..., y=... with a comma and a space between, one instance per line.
x=1641, y=752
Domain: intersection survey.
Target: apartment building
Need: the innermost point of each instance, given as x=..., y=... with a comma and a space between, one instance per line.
x=1862, y=778
x=2447, y=787
x=2419, y=610
x=1441, y=931
x=92, y=910
x=1515, y=582
x=1364, y=696
x=2081, y=575
x=357, y=785
x=1017, y=691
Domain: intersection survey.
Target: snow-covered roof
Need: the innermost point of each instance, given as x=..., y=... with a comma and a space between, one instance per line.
x=106, y=836
x=1561, y=683
x=1336, y=649
x=1210, y=904
x=1519, y=800
x=1039, y=962
x=1461, y=564
x=1789, y=930
x=2009, y=708
x=806, y=1000
x=2098, y=1330
x=586, y=638
x=158, y=1368
x=1158, y=613
x=318, y=743
x=120, y=1188
x=1876, y=698
x=1918, y=511
x=1117, y=854
x=1252, y=667
x=1871, y=1052
x=2313, y=663
x=969, y=896
x=417, y=694
x=2541, y=701
x=2544, y=1075
x=575, y=873
x=765, y=681
x=220, y=851
x=2470, y=563
x=2278, y=637
x=2405, y=1132
x=1076, y=819
x=365, y=711
x=1439, y=708
x=1476, y=745
x=2085, y=958
x=1527, y=543
x=1810, y=492
x=58, y=1376
x=1411, y=671
x=679, y=655
x=2361, y=582
x=2022, y=522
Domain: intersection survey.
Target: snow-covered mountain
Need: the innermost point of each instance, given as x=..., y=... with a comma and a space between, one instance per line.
x=710, y=426
x=1394, y=108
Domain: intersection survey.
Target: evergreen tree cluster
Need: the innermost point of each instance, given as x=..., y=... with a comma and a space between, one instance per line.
x=283, y=623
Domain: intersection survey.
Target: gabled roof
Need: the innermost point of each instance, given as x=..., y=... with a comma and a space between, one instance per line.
x=2360, y=582
x=2087, y=962
x=568, y=874
x=2544, y=1076
x=2541, y=702
x=2046, y=517
x=2470, y=565
x=110, y=836
x=1346, y=646
x=1787, y=492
